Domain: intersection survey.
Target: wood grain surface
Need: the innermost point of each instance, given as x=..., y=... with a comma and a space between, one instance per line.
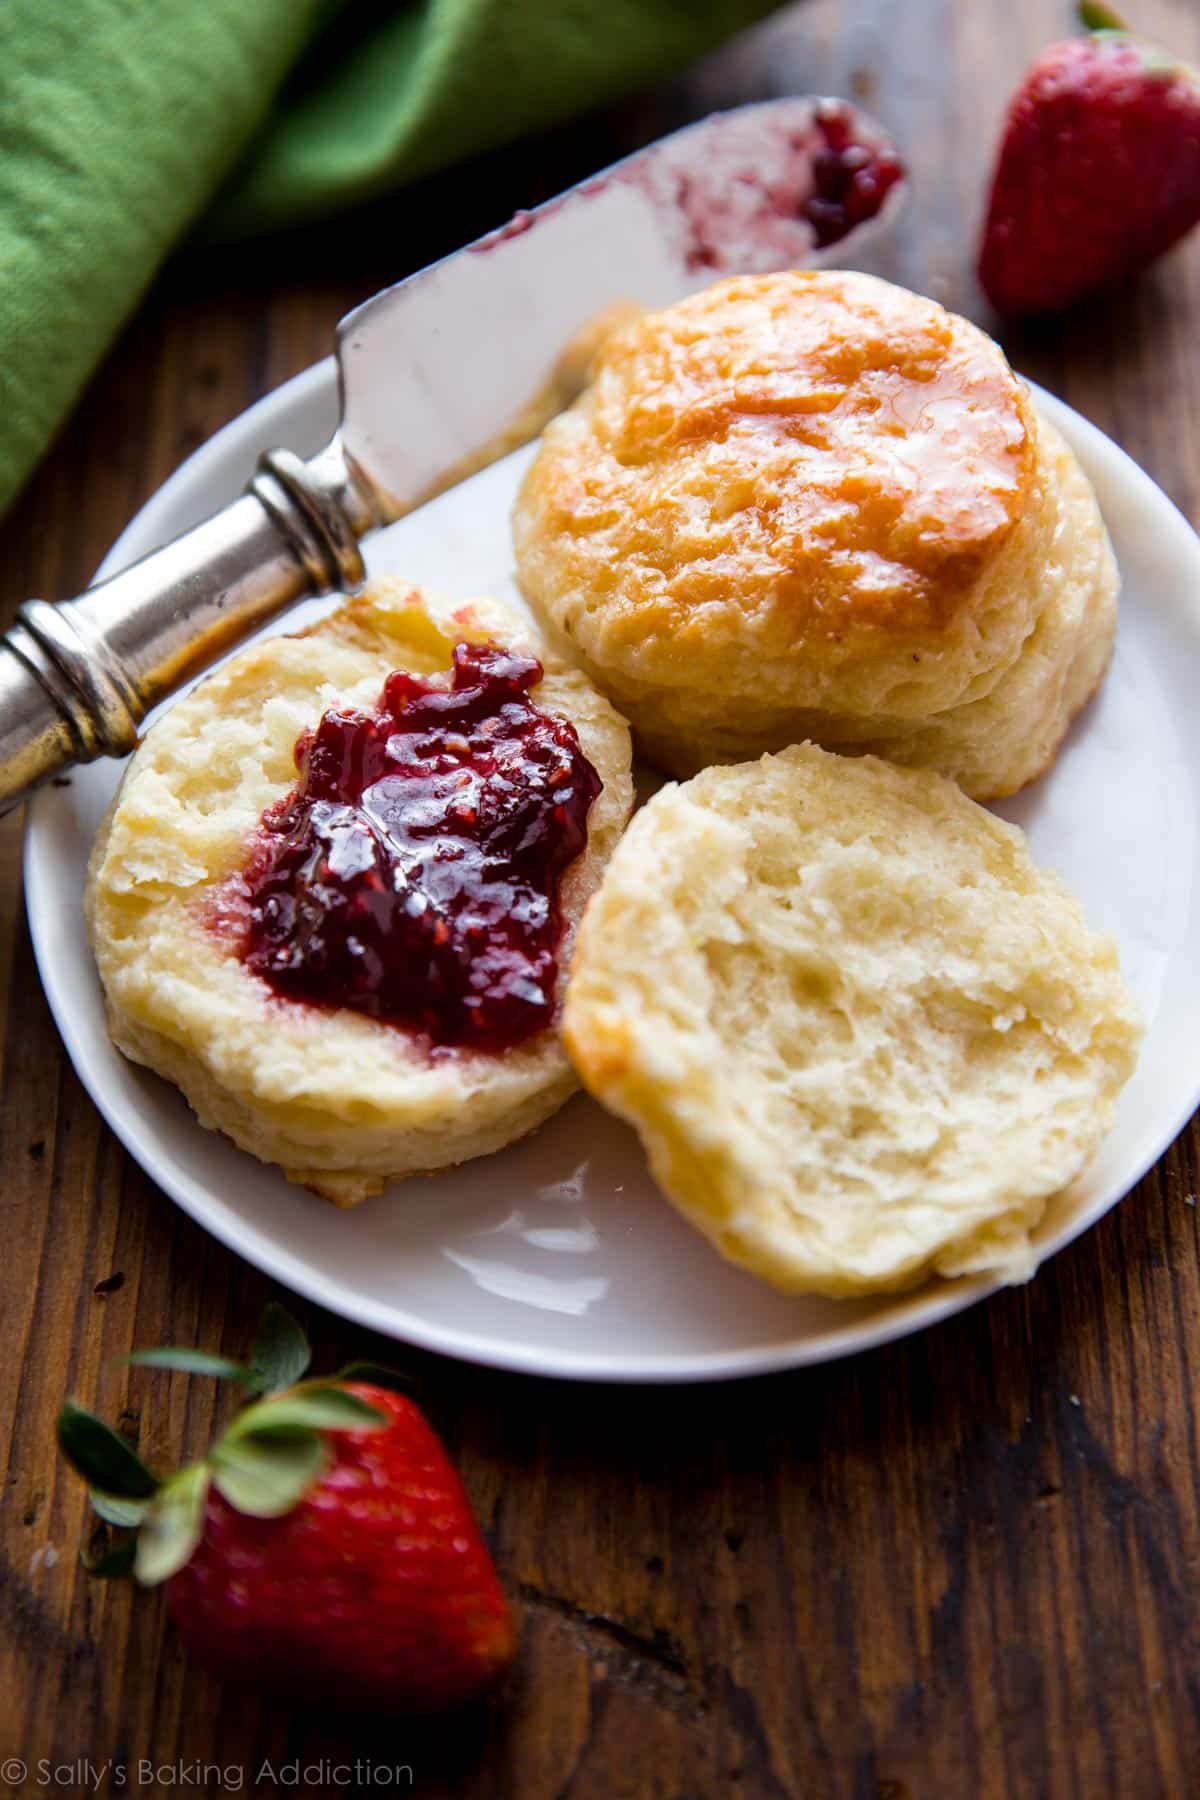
x=965, y=1565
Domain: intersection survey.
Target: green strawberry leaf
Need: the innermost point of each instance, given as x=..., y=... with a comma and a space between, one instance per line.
x=172, y=1526
x=265, y=1474
x=116, y=1511
x=192, y=1362
x=281, y=1352
x=377, y=1375
x=110, y=1560
x=1095, y=15
x=319, y=1408
x=105, y=1460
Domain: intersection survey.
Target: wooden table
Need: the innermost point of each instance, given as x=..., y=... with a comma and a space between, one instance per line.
x=966, y=1565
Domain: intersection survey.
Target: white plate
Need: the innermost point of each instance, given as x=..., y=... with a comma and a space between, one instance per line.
x=559, y=1256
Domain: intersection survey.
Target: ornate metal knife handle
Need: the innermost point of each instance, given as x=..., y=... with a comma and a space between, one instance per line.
x=77, y=679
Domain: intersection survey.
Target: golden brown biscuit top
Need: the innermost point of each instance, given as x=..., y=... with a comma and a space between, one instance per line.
x=819, y=444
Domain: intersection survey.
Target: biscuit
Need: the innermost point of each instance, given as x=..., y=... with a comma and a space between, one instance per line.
x=343, y=1102
x=862, y=1037
x=997, y=745
x=814, y=505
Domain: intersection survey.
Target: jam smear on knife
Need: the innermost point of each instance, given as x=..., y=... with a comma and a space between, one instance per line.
x=851, y=180
x=413, y=873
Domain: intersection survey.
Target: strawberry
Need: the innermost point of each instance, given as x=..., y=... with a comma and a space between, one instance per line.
x=1098, y=172
x=324, y=1544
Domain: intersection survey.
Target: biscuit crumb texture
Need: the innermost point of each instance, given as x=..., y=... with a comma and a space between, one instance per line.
x=343, y=1103
x=862, y=1036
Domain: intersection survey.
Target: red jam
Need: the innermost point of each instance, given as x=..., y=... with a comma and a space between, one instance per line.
x=851, y=181
x=413, y=873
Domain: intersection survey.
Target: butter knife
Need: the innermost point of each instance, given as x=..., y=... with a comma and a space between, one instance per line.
x=438, y=375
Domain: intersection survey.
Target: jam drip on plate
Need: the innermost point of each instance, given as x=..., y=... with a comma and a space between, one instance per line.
x=413, y=873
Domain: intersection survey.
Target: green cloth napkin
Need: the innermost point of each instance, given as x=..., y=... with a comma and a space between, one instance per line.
x=120, y=120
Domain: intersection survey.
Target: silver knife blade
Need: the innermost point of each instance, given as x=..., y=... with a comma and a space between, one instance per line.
x=456, y=364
